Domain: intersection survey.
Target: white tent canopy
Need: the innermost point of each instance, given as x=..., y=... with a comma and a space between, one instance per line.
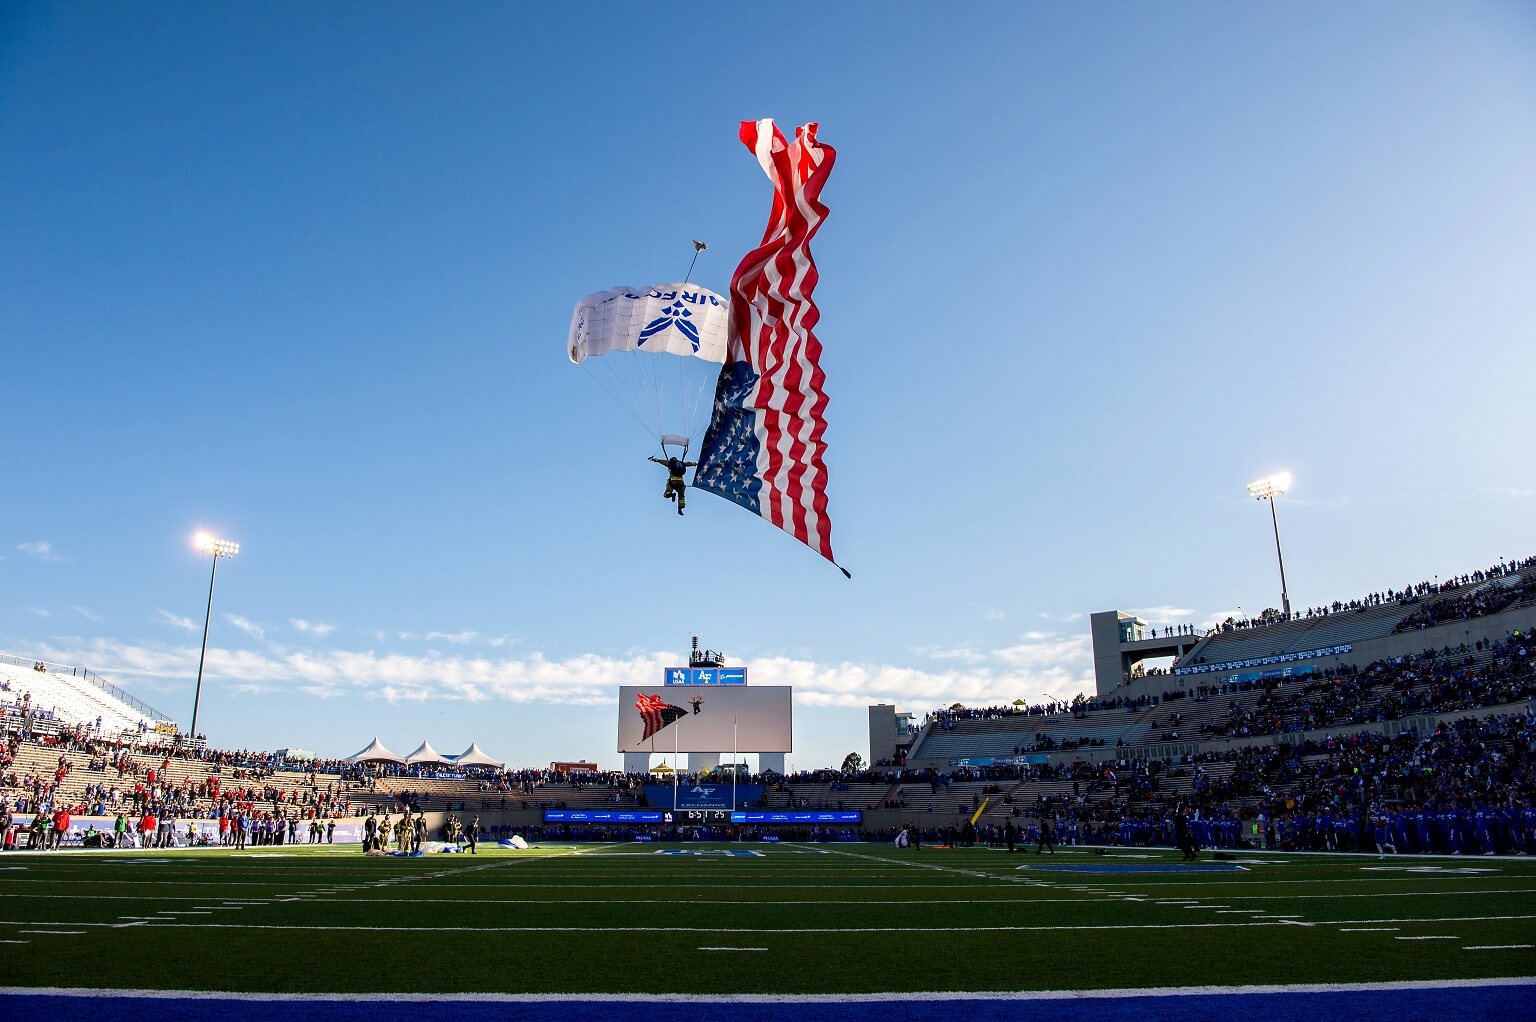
x=375, y=753
x=473, y=756
x=426, y=754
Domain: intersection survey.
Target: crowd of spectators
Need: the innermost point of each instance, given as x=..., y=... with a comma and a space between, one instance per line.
x=1386, y=597
x=1434, y=681
x=1466, y=606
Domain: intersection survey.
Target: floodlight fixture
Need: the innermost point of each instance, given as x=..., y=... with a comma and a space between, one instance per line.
x=1268, y=488
x=211, y=544
x=208, y=543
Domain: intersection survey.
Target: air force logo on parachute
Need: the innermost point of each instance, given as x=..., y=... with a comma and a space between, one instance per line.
x=678, y=319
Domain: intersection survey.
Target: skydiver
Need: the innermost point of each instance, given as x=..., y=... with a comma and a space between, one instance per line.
x=677, y=488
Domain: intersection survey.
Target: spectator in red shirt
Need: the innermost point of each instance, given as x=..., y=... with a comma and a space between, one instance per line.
x=60, y=827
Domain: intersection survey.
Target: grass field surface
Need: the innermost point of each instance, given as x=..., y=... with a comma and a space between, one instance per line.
x=772, y=919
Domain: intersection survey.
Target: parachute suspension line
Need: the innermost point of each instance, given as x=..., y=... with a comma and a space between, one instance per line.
x=658, y=382
x=609, y=375
x=605, y=377
x=686, y=408
x=643, y=385
x=680, y=409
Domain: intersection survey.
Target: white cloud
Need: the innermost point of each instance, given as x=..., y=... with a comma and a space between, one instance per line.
x=962, y=654
x=1163, y=614
x=1040, y=664
x=457, y=638
x=1066, y=617
x=1216, y=617
x=88, y=614
x=993, y=614
x=247, y=626
x=311, y=627
x=40, y=549
x=40, y=611
x=186, y=624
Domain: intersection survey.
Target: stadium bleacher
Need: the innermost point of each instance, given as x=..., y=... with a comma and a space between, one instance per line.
x=71, y=695
x=1360, y=620
x=1228, y=748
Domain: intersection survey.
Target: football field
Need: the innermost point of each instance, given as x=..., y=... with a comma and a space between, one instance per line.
x=772, y=919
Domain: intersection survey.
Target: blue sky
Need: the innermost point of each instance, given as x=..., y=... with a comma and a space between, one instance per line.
x=302, y=276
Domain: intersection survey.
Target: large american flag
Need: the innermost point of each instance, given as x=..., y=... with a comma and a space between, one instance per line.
x=764, y=446
x=656, y=714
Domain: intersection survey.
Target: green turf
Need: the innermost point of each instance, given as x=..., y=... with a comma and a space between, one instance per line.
x=835, y=918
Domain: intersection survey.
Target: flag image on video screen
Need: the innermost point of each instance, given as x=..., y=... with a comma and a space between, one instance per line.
x=699, y=718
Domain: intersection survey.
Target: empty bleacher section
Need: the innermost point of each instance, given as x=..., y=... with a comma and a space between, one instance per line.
x=1350, y=626
x=952, y=736
x=1427, y=604
x=49, y=697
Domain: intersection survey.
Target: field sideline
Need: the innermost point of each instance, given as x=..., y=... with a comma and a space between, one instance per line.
x=839, y=920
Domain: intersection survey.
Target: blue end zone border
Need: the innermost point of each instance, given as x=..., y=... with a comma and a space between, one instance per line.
x=1450, y=1001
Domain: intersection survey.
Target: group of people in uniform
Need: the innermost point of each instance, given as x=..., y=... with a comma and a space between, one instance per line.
x=408, y=832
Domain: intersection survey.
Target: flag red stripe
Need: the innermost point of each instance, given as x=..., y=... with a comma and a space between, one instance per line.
x=774, y=318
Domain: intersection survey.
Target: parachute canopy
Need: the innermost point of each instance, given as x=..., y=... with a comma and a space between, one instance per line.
x=678, y=319
x=657, y=351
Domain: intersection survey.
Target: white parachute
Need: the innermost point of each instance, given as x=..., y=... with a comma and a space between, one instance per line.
x=658, y=351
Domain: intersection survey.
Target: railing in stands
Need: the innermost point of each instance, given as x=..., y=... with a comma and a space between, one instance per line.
x=88, y=676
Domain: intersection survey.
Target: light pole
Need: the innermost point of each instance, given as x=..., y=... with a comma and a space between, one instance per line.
x=208, y=544
x=1268, y=489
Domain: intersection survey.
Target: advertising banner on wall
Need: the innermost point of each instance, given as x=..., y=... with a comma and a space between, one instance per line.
x=702, y=796
x=99, y=832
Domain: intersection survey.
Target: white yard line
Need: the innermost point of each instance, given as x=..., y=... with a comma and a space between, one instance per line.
x=895, y=997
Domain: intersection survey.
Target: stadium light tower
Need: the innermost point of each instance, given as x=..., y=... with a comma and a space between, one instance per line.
x=208, y=544
x=1268, y=489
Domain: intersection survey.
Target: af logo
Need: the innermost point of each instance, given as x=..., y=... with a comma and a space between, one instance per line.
x=677, y=314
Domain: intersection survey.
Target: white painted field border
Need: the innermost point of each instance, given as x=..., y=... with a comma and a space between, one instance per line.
x=727, y=884
x=1427, y=938
x=851, y=998
x=59, y=933
x=1245, y=881
x=1370, y=929
x=1004, y=898
x=1338, y=856
x=1497, y=947
x=171, y=922
x=336, y=927
x=919, y=865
